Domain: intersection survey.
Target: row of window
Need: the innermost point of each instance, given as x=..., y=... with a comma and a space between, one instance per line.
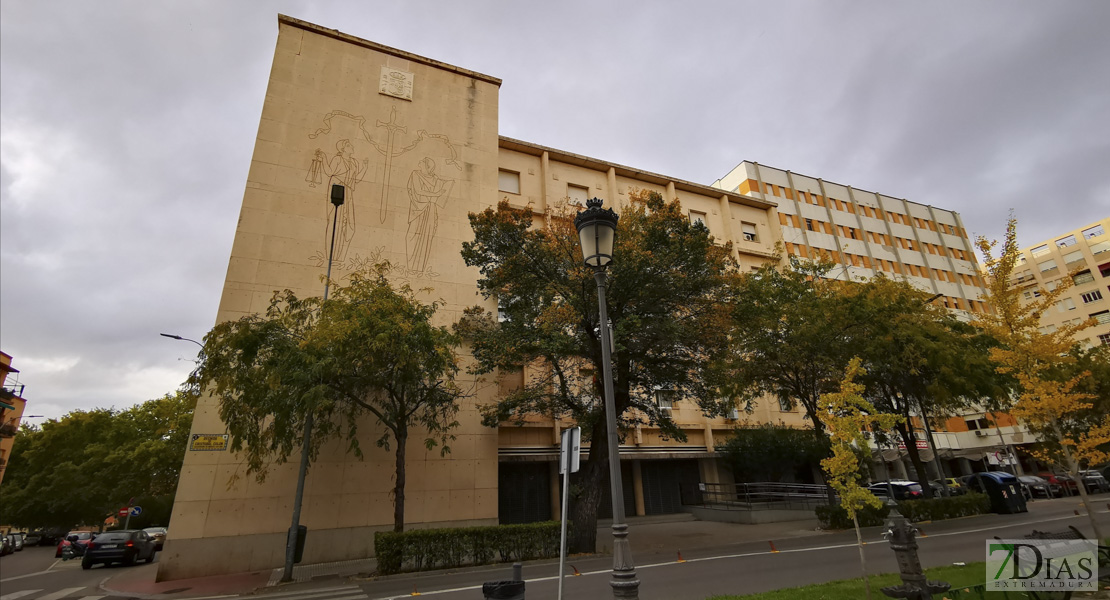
x=878, y=238
x=747, y=230
x=1069, y=240
x=509, y=182
x=864, y=210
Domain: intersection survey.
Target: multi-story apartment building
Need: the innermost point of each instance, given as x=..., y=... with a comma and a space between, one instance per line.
x=1083, y=255
x=868, y=233
x=415, y=142
x=12, y=406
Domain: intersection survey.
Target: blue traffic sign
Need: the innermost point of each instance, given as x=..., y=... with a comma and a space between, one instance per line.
x=136, y=511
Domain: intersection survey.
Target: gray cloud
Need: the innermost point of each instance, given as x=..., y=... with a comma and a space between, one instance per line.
x=126, y=130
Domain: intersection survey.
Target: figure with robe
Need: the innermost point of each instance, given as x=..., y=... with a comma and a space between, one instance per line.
x=428, y=193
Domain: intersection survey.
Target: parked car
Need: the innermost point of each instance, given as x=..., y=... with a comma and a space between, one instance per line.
x=17, y=541
x=903, y=489
x=955, y=486
x=1040, y=487
x=33, y=538
x=6, y=545
x=1067, y=484
x=158, y=534
x=77, y=538
x=1094, y=482
x=124, y=546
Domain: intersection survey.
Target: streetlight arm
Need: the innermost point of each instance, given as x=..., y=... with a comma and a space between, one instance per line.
x=178, y=337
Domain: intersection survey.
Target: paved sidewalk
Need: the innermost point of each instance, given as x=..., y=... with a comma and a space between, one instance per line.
x=648, y=535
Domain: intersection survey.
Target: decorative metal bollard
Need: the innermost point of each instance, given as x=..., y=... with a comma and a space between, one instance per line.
x=914, y=586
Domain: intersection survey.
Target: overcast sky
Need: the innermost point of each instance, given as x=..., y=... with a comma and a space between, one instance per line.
x=126, y=130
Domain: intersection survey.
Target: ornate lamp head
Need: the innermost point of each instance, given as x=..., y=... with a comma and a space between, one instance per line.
x=597, y=230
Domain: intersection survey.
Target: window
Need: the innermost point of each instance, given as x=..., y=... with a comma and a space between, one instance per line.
x=748, y=230
x=809, y=225
x=786, y=404
x=1102, y=317
x=1083, y=277
x=1065, y=242
x=1100, y=247
x=1065, y=304
x=852, y=233
x=508, y=181
x=974, y=424
x=1047, y=329
x=1039, y=251
x=1104, y=270
x=665, y=399
x=1047, y=265
x=1073, y=257
x=502, y=314
x=697, y=217
x=577, y=194
x=1104, y=338
x=1090, y=297
x=1092, y=232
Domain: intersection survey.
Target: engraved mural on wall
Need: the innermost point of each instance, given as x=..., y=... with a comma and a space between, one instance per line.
x=427, y=190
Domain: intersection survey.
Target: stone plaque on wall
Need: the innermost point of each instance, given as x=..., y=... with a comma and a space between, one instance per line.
x=396, y=83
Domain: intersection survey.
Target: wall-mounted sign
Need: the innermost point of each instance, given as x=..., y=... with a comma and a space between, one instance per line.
x=208, y=442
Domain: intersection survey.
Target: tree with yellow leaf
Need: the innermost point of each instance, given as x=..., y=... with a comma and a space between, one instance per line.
x=1048, y=393
x=849, y=416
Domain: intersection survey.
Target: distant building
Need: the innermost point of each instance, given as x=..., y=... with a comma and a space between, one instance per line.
x=1082, y=255
x=868, y=233
x=12, y=405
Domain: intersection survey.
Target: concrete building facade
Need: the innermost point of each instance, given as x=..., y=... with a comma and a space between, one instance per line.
x=415, y=143
x=1083, y=255
x=12, y=407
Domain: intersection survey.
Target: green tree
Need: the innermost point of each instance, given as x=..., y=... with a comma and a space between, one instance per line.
x=79, y=469
x=369, y=349
x=919, y=360
x=767, y=451
x=669, y=289
x=847, y=417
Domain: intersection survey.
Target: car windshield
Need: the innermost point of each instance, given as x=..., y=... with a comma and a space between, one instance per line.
x=155, y=530
x=114, y=536
x=1031, y=479
x=81, y=535
x=916, y=487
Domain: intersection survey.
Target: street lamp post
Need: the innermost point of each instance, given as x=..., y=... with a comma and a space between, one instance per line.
x=597, y=229
x=294, y=529
x=178, y=337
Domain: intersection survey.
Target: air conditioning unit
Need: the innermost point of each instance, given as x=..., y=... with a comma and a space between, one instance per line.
x=733, y=414
x=979, y=433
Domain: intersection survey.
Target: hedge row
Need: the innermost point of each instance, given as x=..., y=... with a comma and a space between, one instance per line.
x=427, y=549
x=835, y=517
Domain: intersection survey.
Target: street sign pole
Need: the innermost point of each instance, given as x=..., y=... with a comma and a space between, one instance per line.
x=569, y=459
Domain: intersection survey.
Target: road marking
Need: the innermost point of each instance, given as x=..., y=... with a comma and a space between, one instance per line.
x=336, y=593
x=20, y=594
x=60, y=593
x=671, y=563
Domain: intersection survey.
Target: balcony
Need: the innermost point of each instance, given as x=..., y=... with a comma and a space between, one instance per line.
x=7, y=430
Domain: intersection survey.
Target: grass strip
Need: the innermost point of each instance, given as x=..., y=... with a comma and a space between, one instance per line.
x=961, y=578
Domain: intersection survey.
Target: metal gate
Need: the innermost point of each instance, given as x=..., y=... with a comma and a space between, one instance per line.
x=663, y=481
x=523, y=492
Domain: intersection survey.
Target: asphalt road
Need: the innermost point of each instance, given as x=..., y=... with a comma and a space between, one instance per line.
x=751, y=567
x=34, y=574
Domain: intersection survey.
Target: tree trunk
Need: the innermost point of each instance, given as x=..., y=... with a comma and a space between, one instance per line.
x=582, y=537
x=401, y=437
x=862, y=559
x=819, y=433
x=905, y=431
x=1073, y=470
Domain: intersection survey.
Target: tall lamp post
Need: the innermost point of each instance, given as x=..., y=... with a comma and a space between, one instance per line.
x=293, y=537
x=597, y=229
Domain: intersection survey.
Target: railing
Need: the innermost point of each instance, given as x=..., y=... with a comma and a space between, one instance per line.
x=755, y=496
x=13, y=390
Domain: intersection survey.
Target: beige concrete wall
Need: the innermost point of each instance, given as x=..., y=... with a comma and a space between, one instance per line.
x=413, y=169
x=1082, y=252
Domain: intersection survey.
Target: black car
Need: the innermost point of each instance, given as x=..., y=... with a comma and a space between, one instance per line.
x=1039, y=487
x=125, y=546
x=903, y=489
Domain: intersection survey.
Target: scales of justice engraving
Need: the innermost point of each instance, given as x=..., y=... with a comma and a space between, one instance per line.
x=428, y=191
